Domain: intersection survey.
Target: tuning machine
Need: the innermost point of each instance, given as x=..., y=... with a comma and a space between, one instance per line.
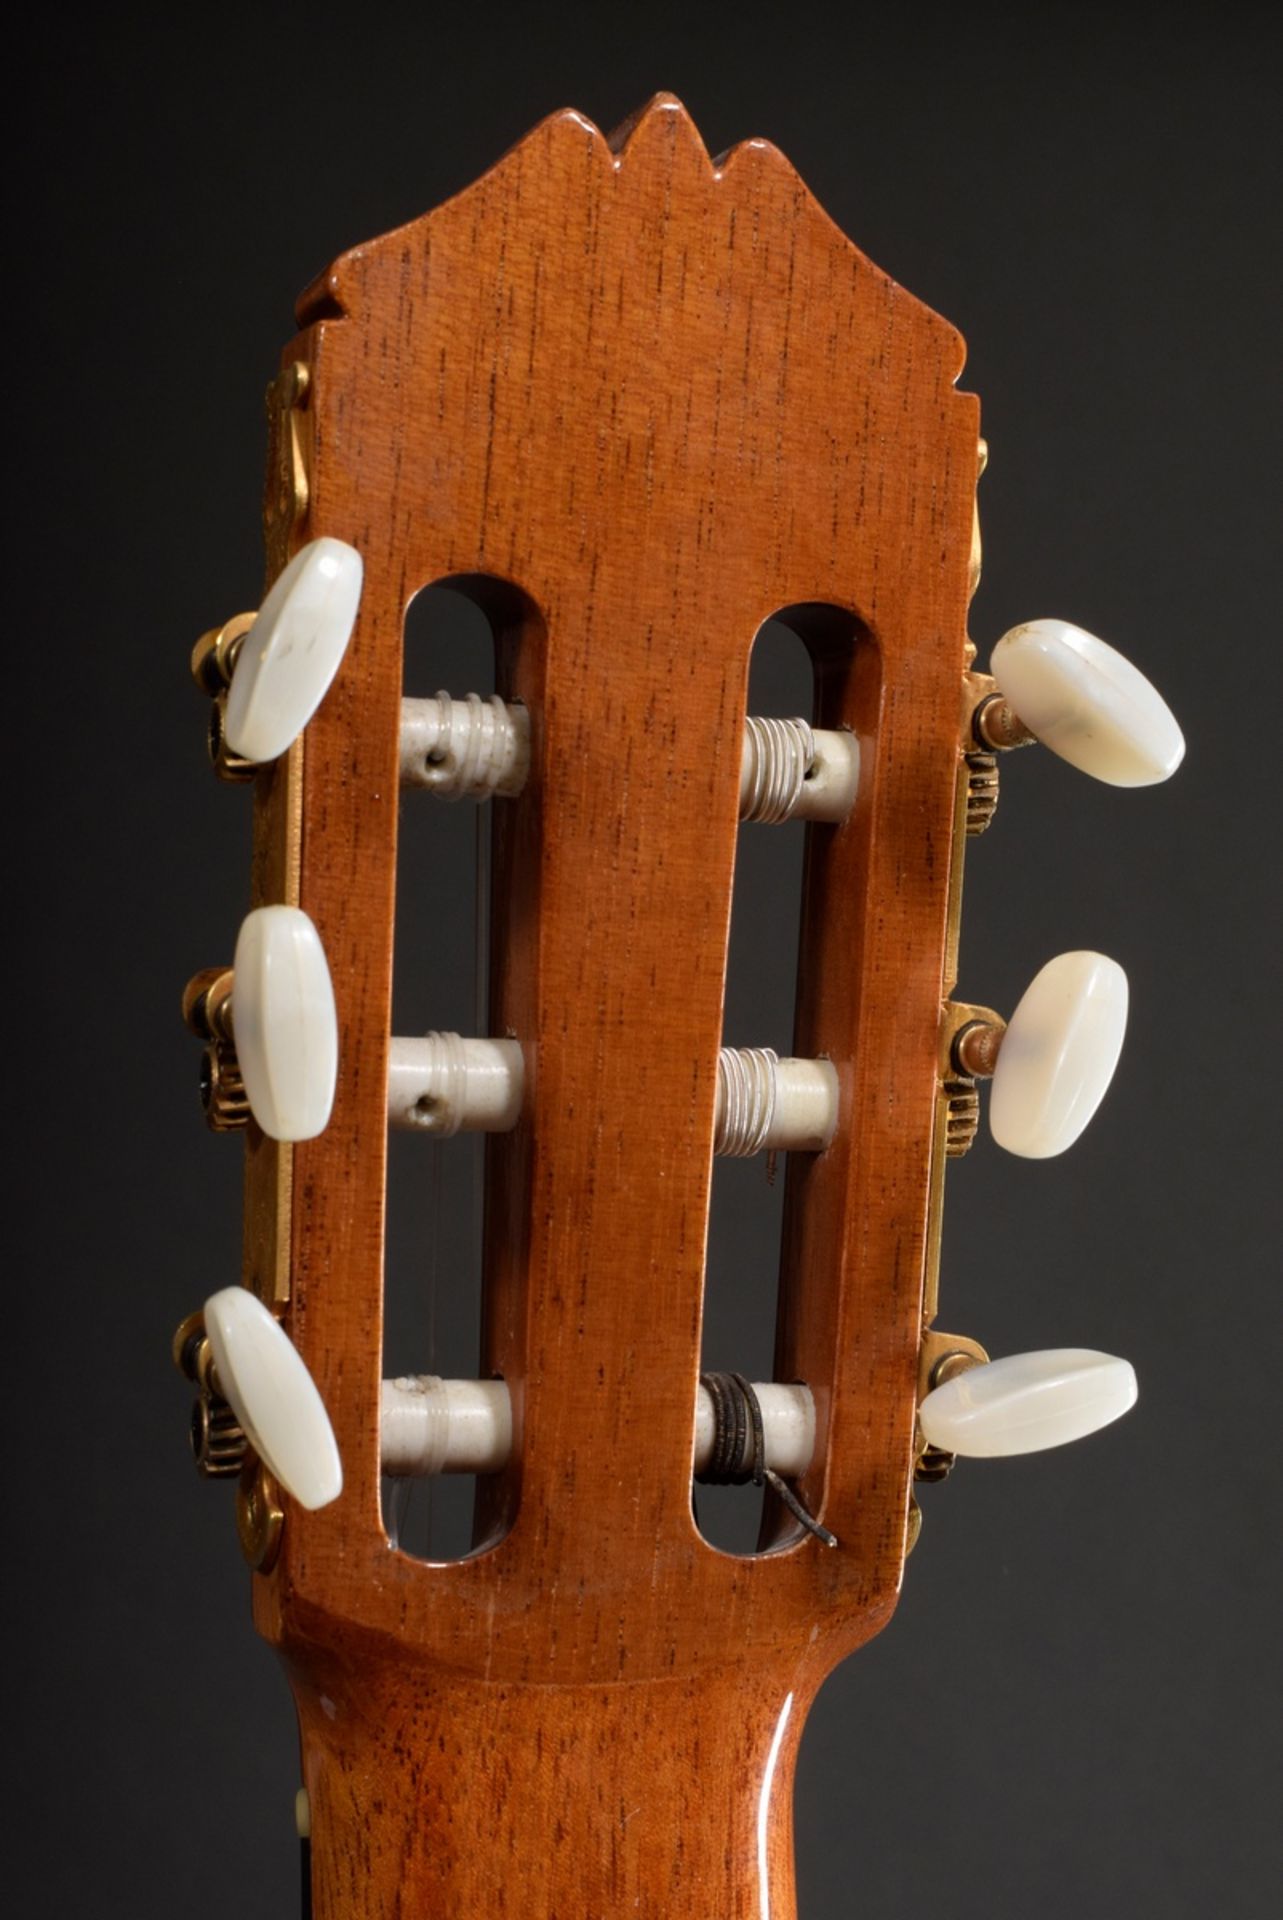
x=270, y=1028
x=1054, y=682
x=1051, y=1064
x=270, y=1032
x=262, y=1376
x=1023, y=1403
x=219, y=1445
x=973, y=1407
x=255, y=1391
x=268, y=672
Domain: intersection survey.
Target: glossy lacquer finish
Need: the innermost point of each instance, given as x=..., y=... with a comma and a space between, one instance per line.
x=661, y=399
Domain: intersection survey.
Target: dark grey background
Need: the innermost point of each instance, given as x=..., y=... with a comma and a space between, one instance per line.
x=1075, y=1709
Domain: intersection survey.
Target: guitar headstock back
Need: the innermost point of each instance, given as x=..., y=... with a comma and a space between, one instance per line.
x=636, y=403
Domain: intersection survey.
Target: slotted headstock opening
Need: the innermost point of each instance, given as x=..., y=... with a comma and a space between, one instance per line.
x=440, y=981
x=745, y=1250
x=741, y=1281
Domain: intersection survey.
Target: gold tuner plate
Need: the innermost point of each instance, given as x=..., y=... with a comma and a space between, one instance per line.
x=976, y=563
x=286, y=487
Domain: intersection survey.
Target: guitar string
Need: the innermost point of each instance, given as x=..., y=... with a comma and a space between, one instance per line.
x=484, y=815
x=738, y=1453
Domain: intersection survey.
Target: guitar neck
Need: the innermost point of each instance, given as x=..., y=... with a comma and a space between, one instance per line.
x=436, y=1794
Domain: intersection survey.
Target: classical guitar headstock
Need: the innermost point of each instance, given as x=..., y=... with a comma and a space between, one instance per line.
x=632, y=403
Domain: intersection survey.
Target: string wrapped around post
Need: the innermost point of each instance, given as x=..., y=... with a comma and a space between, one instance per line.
x=777, y=757
x=738, y=1454
x=747, y=1090
x=471, y=749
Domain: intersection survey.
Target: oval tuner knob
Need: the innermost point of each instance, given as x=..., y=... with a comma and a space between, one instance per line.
x=263, y=1379
x=1054, y=1060
x=1087, y=703
x=287, y=660
x=284, y=1022
x=1026, y=1402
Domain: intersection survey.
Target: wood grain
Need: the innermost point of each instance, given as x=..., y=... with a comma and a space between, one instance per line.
x=657, y=400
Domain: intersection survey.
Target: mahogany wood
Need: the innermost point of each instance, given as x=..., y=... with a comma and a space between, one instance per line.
x=657, y=399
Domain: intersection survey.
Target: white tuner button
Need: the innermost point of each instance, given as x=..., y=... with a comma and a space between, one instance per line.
x=272, y=1394
x=292, y=652
x=1088, y=703
x=1027, y=1402
x=284, y=1021
x=1058, y=1054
